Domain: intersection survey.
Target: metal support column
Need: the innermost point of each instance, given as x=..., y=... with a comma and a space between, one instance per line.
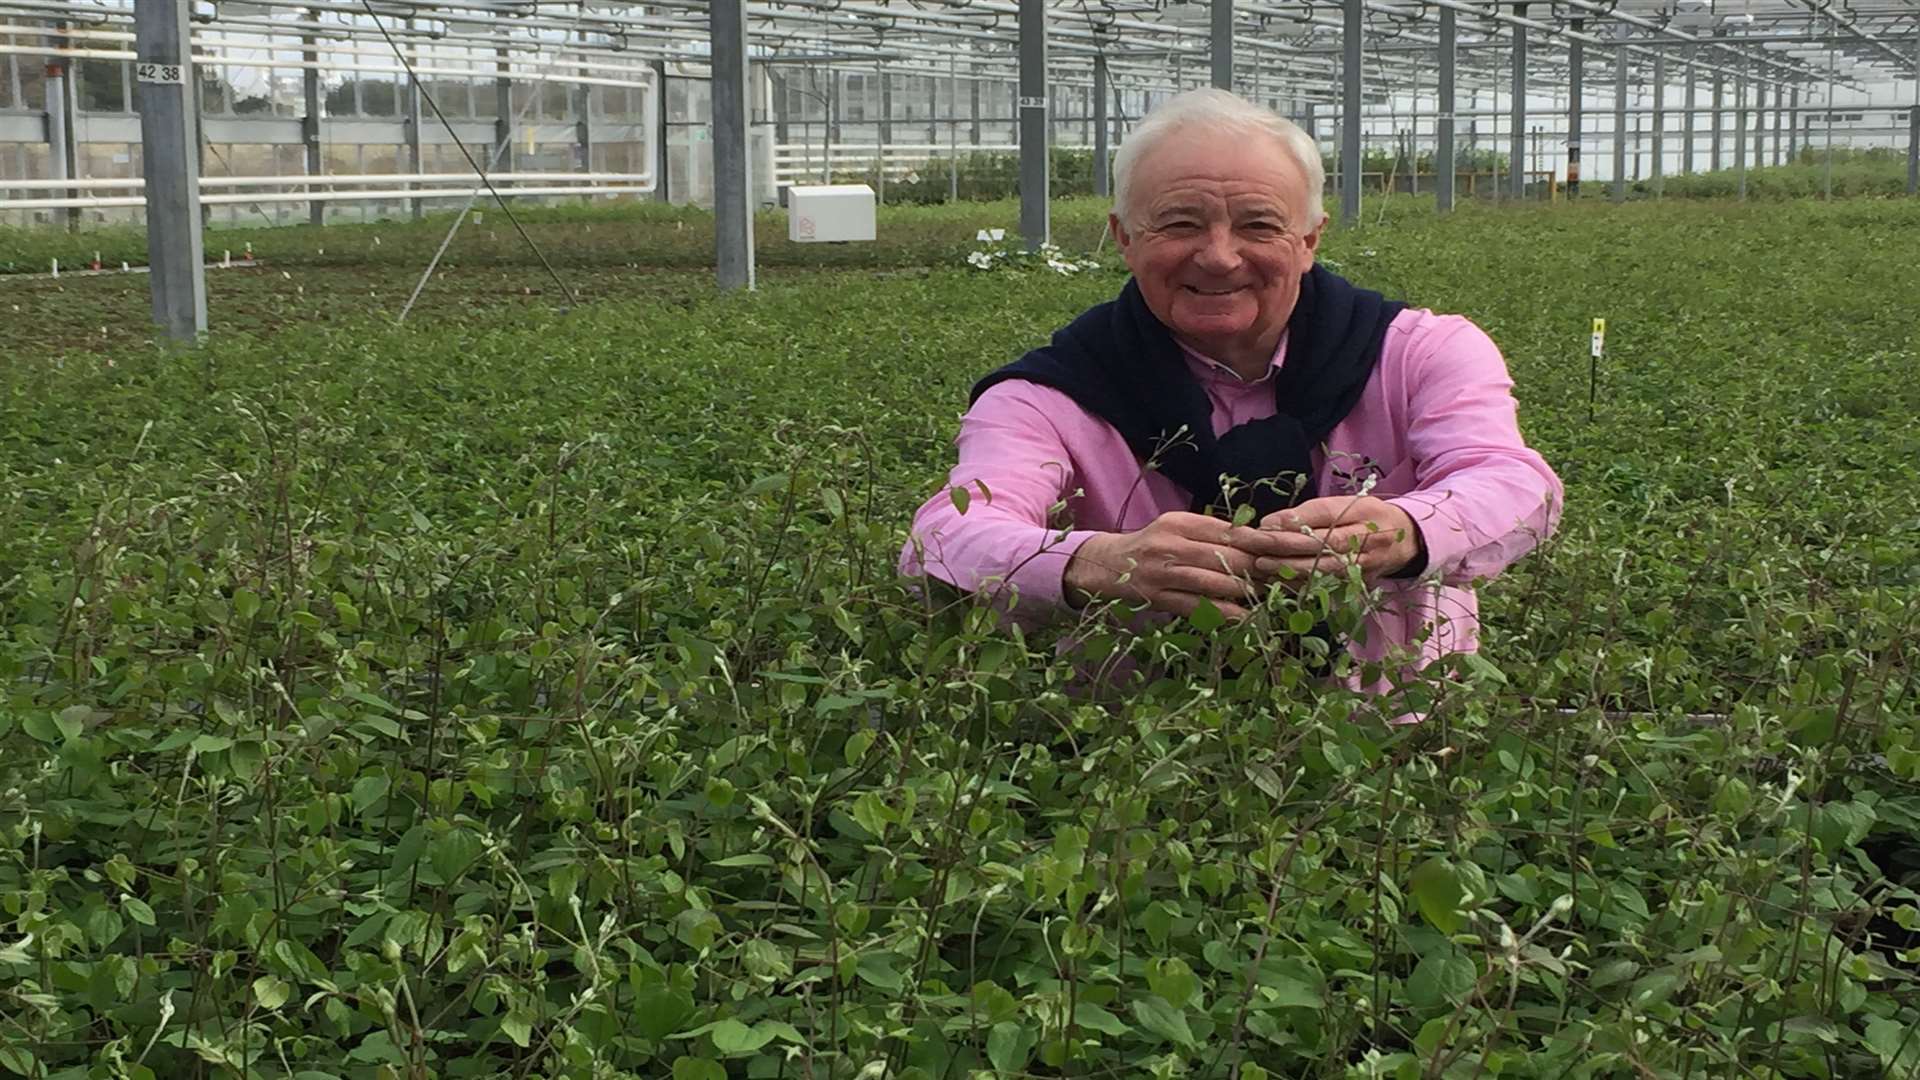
x=1620, y=57
x=1034, y=224
x=973, y=104
x=503, y=103
x=1350, y=102
x=1687, y=125
x=732, y=189
x=1443, y=122
x=1913, y=127
x=1793, y=126
x=1101, y=180
x=933, y=111
x=1740, y=134
x=1779, y=113
x=1719, y=120
x=1576, y=94
x=410, y=127
x=886, y=132
x=1222, y=44
x=1659, y=123
x=59, y=125
x=1517, y=133
x=169, y=162
x=1826, y=174
x=310, y=120
x=660, y=191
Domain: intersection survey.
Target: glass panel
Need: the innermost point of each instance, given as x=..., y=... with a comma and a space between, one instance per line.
x=556, y=100
x=33, y=84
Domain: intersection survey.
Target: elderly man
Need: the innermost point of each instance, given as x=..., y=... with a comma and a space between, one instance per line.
x=1233, y=371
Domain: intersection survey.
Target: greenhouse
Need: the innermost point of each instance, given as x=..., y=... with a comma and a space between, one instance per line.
x=925, y=539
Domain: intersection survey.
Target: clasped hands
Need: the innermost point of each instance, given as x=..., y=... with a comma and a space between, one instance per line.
x=1180, y=559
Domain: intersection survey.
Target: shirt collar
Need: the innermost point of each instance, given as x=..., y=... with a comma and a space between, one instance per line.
x=1208, y=366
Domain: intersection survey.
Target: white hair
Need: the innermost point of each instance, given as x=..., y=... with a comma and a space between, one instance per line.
x=1218, y=111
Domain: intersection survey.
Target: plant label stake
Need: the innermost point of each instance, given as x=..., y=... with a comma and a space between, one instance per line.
x=1593, y=364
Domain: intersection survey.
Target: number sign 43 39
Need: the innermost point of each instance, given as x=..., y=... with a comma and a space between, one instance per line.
x=163, y=74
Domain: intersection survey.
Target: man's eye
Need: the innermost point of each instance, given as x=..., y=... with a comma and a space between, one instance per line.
x=1178, y=225
x=1265, y=228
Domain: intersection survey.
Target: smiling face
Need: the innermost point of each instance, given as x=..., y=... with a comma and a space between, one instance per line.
x=1220, y=231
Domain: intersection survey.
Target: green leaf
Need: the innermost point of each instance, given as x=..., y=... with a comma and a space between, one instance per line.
x=698, y=1068
x=246, y=603
x=1156, y=1015
x=270, y=992
x=369, y=789
x=137, y=910
x=1442, y=977
x=1095, y=1018
x=733, y=1038
x=749, y=859
x=1009, y=1045
x=658, y=1011
x=1437, y=891
x=17, y=1060
x=211, y=744
x=518, y=1027
x=961, y=499
x=1206, y=618
x=72, y=720
x=876, y=968
x=857, y=745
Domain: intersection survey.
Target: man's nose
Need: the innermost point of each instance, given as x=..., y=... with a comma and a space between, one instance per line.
x=1218, y=252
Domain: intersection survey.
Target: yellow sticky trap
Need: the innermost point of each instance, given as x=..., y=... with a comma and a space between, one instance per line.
x=1599, y=337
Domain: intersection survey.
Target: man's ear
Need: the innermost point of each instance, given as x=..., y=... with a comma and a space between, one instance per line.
x=1120, y=238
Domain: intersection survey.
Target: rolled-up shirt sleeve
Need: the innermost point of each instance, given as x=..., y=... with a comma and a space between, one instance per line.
x=1482, y=497
x=997, y=539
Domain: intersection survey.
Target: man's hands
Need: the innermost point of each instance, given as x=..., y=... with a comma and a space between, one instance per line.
x=1172, y=563
x=1326, y=535
x=1179, y=558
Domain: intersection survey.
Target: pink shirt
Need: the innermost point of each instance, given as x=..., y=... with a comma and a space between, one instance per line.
x=1434, y=430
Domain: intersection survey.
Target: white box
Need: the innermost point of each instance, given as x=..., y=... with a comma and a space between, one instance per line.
x=823, y=213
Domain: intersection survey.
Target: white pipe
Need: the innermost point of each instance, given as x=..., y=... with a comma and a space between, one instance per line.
x=136, y=183
x=244, y=198
x=321, y=65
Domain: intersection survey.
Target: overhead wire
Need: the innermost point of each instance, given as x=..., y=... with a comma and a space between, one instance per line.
x=420, y=88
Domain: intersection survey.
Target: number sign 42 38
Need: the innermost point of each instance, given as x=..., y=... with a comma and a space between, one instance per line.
x=164, y=74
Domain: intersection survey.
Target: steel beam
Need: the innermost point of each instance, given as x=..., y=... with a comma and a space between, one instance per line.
x=169, y=162
x=1793, y=126
x=59, y=126
x=410, y=123
x=1718, y=120
x=1353, y=26
x=1035, y=226
x=1517, y=135
x=503, y=119
x=1443, y=159
x=732, y=186
x=1913, y=127
x=1620, y=57
x=1576, y=94
x=1659, y=171
x=310, y=122
x=1101, y=180
x=660, y=191
x=1222, y=44
x=1740, y=134
x=1688, y=127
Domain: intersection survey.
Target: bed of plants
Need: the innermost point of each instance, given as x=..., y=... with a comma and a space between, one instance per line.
x=532, y=694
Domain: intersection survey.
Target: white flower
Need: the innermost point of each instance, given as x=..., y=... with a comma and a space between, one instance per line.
x=980, y=259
